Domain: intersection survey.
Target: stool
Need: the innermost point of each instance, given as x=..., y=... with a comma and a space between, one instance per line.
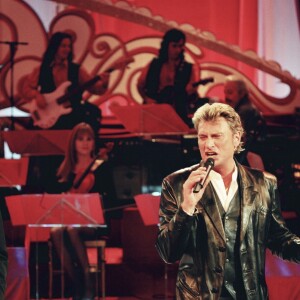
x=96, y=267
x=99, y=265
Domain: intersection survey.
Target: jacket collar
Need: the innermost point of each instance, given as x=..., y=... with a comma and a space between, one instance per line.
x=210, y=206
x=248, y=193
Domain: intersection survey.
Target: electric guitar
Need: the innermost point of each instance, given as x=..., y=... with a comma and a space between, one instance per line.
x=58, y=101
x=168, y=94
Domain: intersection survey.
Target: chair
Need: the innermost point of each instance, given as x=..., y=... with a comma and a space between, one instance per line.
x=44, y=211
x=97, y=267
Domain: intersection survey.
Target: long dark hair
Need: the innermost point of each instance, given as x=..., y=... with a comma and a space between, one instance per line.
x=53, y=46
x=51, y=51
x=172, y=35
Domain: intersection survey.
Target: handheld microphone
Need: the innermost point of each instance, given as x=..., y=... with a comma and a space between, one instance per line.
x=209, y=164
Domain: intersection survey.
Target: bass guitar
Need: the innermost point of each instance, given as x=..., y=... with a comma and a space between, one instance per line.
x=58, y=102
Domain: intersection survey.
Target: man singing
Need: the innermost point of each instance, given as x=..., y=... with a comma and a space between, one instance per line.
x=220, y=234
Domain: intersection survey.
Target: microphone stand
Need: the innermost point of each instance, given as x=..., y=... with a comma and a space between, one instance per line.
x=12, y=47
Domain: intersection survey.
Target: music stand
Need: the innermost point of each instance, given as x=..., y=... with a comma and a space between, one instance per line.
x=43, y=211
x=52, y=210
x=148, y=206
x=13, y=171
x=150, y=119
x=37, y=142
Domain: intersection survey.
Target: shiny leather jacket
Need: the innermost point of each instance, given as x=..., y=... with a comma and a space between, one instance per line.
x=198, y=241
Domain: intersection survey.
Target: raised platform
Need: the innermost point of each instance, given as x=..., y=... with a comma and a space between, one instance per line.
x=138, y=260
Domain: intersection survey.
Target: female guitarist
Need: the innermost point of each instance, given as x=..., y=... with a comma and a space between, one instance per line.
x=169, y=78
x=81, y=172
x=58, y=72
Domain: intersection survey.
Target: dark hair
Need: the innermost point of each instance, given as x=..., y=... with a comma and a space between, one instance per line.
x=53, y=46
x=172, y=35
x=49, y=55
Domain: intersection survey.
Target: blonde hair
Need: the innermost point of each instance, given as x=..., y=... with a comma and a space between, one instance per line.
x=210, y=112
x=70, y=160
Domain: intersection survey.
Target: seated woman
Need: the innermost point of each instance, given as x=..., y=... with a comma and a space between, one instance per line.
x=80, y=160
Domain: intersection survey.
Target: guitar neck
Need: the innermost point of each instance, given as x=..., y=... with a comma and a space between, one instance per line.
x=203, y=81
x=78, y=90
x=89, y=83
x=84, y=86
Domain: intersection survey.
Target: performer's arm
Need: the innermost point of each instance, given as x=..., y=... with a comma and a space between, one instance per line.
x=194, y=77
x=100, y=87
x=141, y=85
x=30, y=89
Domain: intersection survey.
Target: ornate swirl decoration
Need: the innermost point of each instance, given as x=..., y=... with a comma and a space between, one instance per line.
x=144, y=16
x=98, y=52
x=7, y=22
x=141, y=15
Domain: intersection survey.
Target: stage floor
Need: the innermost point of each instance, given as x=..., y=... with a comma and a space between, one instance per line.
x=106, y=298
x=282, y=277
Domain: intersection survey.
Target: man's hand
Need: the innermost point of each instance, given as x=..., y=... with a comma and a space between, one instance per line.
x=190, y=199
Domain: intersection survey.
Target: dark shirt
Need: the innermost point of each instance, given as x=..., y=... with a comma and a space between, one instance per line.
x=174, y=95
x=103, y=184
x=252, y=119
x=254, y=125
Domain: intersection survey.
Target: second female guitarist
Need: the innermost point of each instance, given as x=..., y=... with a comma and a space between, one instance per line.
x=169, y=78
x=56, y=69
x=81, y=172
